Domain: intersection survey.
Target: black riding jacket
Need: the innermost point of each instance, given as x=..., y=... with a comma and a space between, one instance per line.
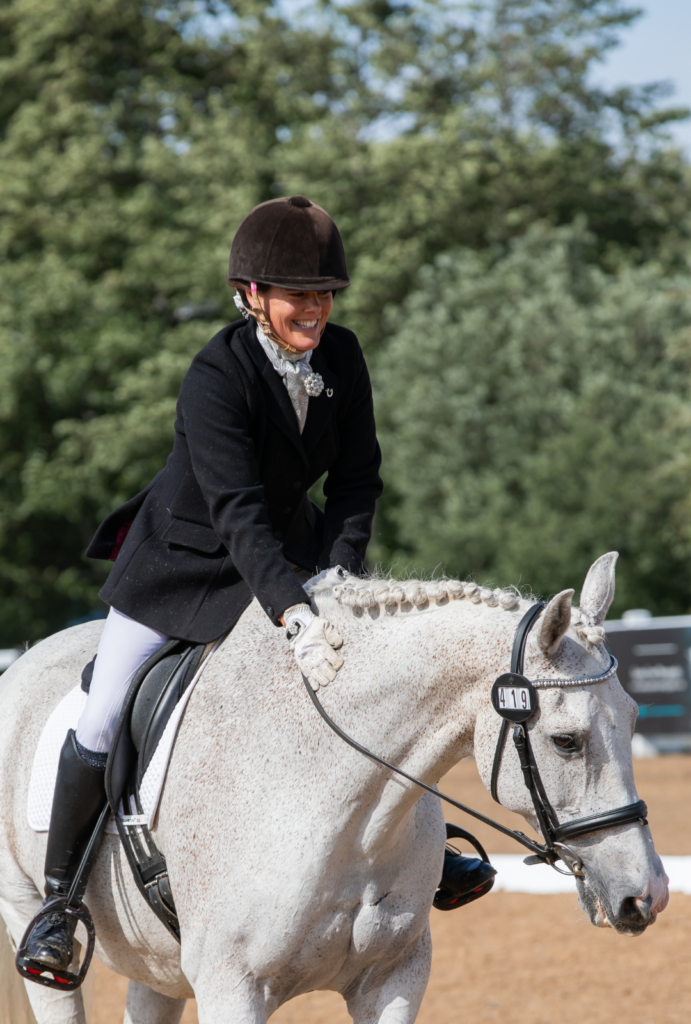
x=221, y=522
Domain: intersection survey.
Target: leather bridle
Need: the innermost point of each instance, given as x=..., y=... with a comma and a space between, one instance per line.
x=554, y=833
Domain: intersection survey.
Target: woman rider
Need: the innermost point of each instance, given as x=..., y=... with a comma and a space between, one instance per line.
x=267, y=407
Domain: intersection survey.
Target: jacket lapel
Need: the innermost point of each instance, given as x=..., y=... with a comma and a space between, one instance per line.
x=278, y=405
x=321, y=408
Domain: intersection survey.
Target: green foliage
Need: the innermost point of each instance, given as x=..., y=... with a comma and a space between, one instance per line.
x=134, y=137
x=534, y=414
x=130, y=148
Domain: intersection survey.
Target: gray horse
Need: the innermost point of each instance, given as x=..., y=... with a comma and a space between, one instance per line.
x=296, y=863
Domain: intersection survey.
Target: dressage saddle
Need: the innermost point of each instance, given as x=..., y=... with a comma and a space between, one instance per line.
x=151, y=699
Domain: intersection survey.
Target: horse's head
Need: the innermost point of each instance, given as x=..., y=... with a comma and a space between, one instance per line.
x=581, y=739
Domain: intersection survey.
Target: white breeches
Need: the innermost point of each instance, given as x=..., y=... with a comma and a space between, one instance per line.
x=124, y=645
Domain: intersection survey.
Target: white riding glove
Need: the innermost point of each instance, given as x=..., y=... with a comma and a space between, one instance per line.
x=313, y=640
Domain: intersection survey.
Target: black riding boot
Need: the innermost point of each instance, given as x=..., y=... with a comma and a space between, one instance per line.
x=464, y=879
x=78, y=802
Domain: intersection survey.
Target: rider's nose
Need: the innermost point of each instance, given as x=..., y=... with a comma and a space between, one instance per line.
x=636, y=910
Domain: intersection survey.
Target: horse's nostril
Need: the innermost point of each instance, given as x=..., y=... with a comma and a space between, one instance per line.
x=636, y=911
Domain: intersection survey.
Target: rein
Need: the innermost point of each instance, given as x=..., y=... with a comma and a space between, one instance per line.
x=525, y=697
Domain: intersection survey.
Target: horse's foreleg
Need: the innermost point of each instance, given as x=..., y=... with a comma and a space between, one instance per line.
x=397, y=999
x=144, y=1006
x=226, y=998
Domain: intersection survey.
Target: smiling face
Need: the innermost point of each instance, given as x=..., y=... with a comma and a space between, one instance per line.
x=299, y=318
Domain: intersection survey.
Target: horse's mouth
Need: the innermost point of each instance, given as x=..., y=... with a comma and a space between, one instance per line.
x=634, y=916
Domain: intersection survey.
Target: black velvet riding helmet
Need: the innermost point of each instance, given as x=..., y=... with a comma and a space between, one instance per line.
x=290, y=243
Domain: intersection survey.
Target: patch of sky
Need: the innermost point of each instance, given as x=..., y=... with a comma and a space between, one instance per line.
x=655, y=48
x=179, y=146
x=387, y=127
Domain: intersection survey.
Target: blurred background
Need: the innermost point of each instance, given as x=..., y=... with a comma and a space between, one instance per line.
x=512, y=181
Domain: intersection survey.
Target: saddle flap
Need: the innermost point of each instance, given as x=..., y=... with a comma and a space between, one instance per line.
x=122, y=756
x=149, y=693
x=156, y=701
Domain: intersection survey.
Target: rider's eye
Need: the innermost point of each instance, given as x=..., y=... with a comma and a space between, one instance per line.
x=567, y=744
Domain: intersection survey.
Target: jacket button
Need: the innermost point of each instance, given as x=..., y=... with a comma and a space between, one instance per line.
x=278, y=534
x=269, y=611
x=287, y=510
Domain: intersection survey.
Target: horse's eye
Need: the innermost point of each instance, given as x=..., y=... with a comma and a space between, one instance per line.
x=567, y=744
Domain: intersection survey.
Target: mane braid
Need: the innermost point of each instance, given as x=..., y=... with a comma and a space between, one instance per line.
x=361, y=594
x=392, y=596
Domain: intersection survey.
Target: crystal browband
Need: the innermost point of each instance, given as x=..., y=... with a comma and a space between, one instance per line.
x=545, y=684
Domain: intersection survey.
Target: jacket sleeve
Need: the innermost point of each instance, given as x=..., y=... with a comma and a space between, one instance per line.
x=215, y=418
x=353, y=483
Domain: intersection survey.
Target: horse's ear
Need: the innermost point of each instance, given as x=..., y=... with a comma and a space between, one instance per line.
x=598, y=589
x=556, y=619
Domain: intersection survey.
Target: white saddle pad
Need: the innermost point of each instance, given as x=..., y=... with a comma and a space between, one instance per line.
x=65, y=717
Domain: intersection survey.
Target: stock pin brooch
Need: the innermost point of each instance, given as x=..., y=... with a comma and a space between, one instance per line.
x=314, y=384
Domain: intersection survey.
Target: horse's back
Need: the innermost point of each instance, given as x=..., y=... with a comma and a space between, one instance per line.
x=29, y=691
x=33, y=686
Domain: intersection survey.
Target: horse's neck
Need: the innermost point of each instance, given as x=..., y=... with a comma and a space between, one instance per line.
x=413, y=697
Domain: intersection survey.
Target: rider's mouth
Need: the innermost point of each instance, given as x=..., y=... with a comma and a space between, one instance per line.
x=305, y=325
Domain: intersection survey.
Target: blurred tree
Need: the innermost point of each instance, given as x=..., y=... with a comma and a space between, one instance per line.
x=133, y=138
x=131, y=144
x=535, y=414
x=491, y=121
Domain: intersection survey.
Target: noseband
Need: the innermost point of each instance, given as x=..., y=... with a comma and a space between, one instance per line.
x=515, y=698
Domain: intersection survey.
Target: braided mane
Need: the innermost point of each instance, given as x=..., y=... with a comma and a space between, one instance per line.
x=361, y=595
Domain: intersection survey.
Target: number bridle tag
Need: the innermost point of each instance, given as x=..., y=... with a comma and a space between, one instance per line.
x=514, y=697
